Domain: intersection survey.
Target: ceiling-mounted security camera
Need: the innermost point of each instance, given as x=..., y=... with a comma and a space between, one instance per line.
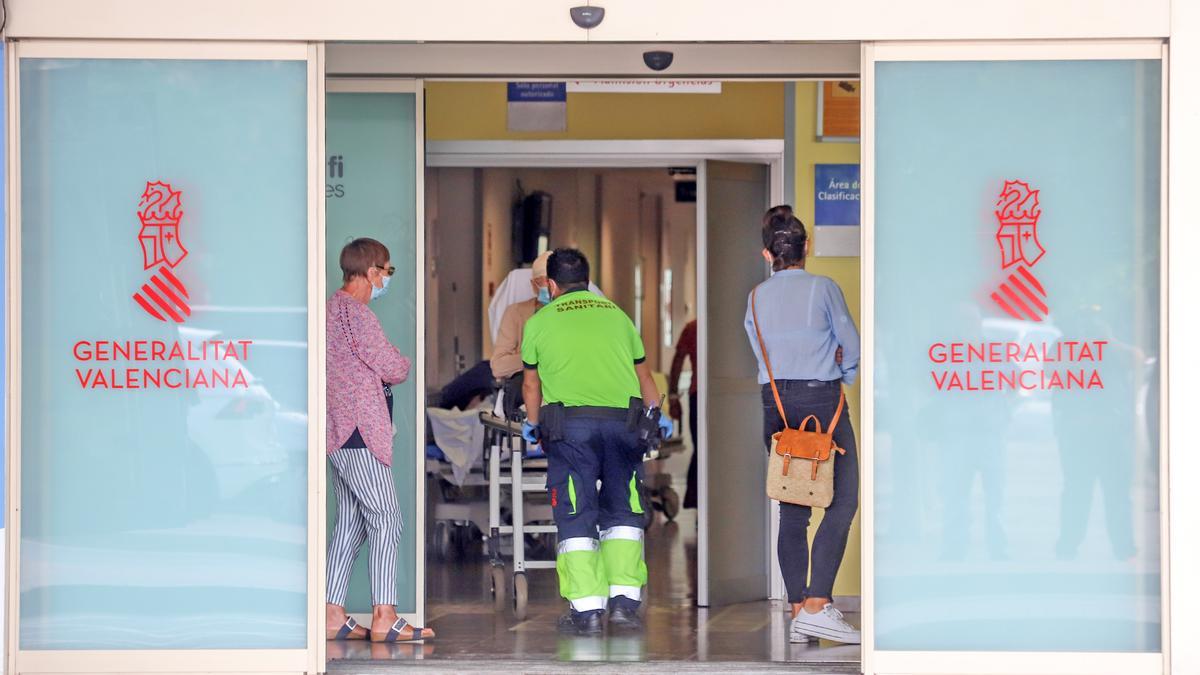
x=587, y=17
x=658, y=60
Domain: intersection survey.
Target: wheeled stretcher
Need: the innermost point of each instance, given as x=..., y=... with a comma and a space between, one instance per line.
x=507, y=466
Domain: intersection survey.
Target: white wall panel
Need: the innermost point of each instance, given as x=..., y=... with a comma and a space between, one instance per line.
x=549, y=20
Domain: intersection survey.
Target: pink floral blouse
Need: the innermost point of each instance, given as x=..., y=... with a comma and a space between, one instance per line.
x=359, y=359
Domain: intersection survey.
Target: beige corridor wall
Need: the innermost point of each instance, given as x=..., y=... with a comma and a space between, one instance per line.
x=596, y=211
x=477, y=111
x=573, y=210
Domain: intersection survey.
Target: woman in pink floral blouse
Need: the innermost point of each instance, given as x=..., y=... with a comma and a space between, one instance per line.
x=361, y=367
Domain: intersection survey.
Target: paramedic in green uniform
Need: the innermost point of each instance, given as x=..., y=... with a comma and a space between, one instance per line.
x=585, y=363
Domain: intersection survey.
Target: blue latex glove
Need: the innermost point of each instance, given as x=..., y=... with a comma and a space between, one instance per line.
x=531, y=433
x=666, y=426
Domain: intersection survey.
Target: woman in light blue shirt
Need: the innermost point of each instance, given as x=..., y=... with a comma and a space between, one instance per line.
x=814, y=348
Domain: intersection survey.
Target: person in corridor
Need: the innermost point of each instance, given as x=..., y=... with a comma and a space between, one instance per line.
x=506, y=357
x=685, y=349
x=361, y=368
x=585, y=361
x=813, y=347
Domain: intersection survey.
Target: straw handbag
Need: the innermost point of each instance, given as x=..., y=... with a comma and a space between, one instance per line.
x=800, y=470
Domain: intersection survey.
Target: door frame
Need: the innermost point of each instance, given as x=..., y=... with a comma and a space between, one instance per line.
x=950, y=662
x=350, y=85
x=309, y=659
x=637, y=154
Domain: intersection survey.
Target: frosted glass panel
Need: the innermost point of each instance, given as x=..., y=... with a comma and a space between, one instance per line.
x=1017, y=356
x=164, y=361
x=370, y=191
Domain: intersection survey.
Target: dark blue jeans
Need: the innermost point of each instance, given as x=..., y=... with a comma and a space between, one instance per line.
x=594, y=450
x=802, y=398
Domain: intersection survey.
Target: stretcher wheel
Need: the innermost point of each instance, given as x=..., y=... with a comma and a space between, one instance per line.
x=670, y=503
x=498, y=587
x=520, y=596
x=649, y=506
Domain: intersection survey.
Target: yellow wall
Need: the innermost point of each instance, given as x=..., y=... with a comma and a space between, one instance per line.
x=845, y=271
x=477, y=111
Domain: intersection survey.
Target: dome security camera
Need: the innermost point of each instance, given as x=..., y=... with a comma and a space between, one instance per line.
x=587, y=17
x=658, y=60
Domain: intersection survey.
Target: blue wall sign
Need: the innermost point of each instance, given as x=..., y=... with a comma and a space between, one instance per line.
x=537, y=92
x=837, y=194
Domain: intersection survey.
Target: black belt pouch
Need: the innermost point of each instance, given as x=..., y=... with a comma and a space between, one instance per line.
x=551, y=420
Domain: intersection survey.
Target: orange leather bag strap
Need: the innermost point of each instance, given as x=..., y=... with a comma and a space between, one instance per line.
x=837, y=413
x=762, y=347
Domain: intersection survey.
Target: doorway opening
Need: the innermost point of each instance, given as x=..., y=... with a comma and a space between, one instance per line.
x=671, y=228
x=637, y=226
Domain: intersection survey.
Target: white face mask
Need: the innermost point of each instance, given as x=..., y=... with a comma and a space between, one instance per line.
x=377, y=291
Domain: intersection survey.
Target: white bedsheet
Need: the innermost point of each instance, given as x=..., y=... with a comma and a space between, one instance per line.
x=459, y=434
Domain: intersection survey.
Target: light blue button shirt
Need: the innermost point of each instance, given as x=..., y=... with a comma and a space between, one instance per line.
x=804, y=319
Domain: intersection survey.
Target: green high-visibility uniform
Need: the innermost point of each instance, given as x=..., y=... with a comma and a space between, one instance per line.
x=584, y=349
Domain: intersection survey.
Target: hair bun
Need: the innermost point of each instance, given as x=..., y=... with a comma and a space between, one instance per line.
x=786, y=240
x=784, y=237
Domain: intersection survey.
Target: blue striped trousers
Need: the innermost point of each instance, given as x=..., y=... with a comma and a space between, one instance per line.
x=367, y=512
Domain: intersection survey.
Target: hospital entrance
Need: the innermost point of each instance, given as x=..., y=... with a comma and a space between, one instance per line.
x=180, y=186
x=662, y=185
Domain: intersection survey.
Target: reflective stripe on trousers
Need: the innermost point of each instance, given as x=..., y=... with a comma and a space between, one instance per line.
x=581, y=573
x=623, y=555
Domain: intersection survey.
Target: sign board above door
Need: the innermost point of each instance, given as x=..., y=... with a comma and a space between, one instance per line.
x=644, y=86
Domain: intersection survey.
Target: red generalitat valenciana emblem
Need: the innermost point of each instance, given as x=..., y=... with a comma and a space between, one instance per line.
x=1020, y=294
x=163, y=296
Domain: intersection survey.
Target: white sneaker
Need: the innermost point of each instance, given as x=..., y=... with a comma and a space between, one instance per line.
x=795, y=636
x=827, y=624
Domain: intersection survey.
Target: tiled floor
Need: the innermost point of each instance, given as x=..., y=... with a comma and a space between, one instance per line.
x=474, y=637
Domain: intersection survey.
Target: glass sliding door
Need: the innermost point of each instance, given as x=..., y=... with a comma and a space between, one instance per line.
x=1014, y=255
x=374, y=175
x=164, y=445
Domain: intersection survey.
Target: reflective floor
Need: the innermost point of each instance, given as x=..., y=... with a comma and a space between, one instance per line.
x=474, y=637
